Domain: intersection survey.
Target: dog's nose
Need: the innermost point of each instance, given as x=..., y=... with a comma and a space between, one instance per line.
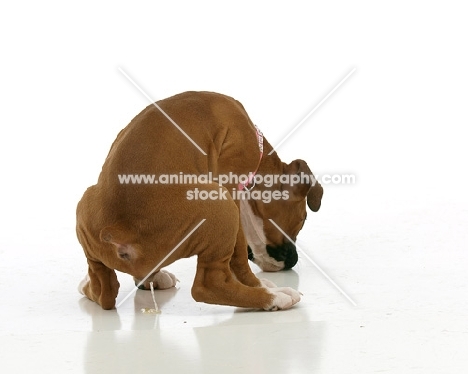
x=285, y=252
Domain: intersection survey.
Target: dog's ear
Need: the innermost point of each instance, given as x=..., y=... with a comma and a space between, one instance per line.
x=314, y=196
x=121, y=239
x=296, y=186
x=305, y=184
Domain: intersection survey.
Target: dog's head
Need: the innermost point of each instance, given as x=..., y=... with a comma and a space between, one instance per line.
x=272, y=218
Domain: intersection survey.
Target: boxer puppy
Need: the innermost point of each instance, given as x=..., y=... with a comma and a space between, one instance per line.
x=132, y=225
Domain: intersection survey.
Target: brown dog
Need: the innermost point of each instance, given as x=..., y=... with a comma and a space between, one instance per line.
x=131, y=226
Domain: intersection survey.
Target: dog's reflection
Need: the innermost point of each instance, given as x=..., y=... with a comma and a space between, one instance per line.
x=123, y=341
x=109, y=320
x=127, y=340
x=262, y=342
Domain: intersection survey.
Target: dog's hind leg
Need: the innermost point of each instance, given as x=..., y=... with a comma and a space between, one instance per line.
x=100, y=285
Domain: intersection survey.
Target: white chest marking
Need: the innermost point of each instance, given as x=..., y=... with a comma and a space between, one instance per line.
x=253, y=230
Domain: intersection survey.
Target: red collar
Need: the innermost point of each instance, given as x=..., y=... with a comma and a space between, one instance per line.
x=244, y=185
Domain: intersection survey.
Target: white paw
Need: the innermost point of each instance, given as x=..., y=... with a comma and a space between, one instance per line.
x=267, y=283
x=161, y=280
x=82, y=284
x=284, y=298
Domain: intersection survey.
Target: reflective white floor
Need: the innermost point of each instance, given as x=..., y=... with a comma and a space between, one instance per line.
x=405, y=267
x=397, y=124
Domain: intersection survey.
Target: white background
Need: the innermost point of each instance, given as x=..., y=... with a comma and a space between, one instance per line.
x=398, y=123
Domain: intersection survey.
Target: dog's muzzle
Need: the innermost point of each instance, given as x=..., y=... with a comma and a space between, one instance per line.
x=275, y=256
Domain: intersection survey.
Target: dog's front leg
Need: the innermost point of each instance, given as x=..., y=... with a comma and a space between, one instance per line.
x=223, y=275
x=240, y=262
x=214, y=284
